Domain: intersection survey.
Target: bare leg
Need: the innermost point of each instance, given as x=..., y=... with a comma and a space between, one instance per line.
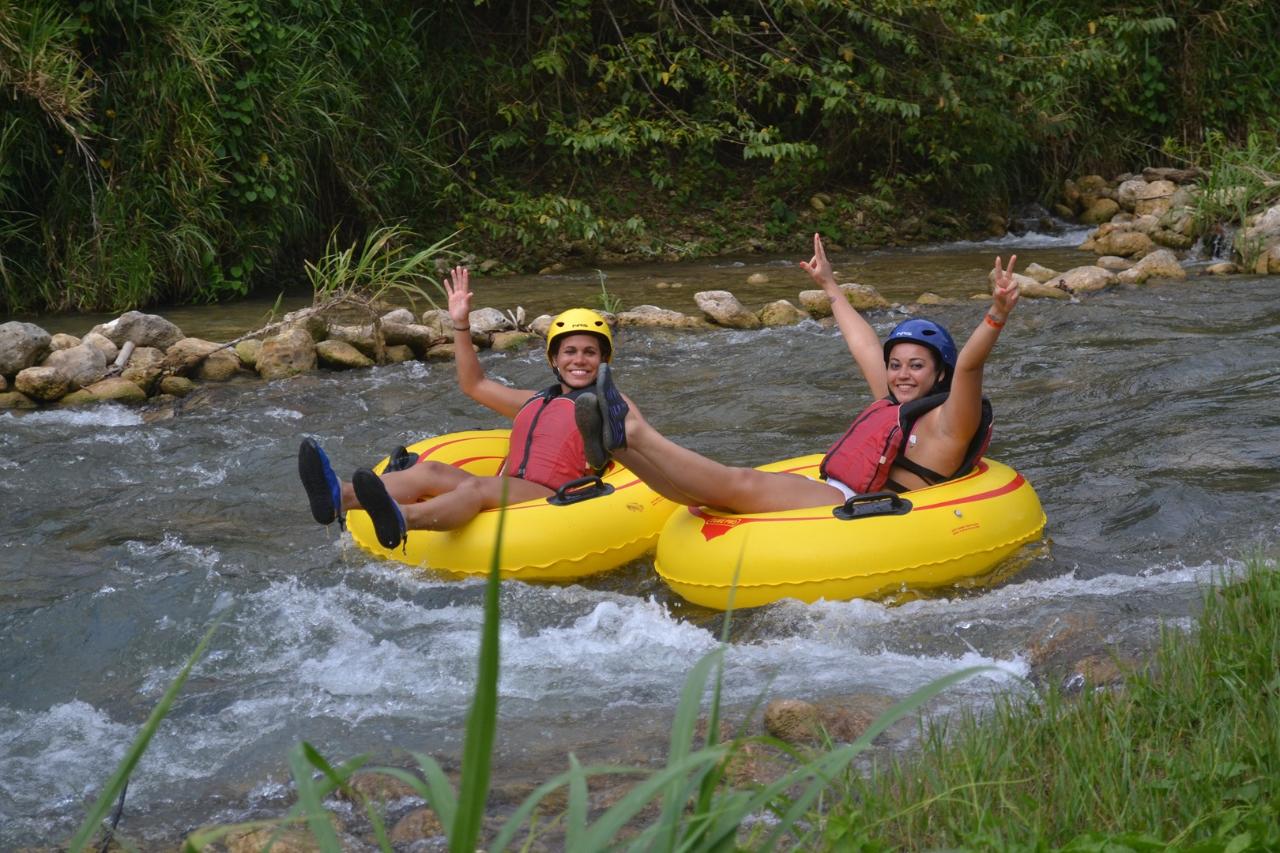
x=426, y=479
x=454, y=508
x=681, y=474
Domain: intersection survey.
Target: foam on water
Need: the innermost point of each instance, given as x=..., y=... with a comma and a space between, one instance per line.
x=1070, y=237
x=109, y=415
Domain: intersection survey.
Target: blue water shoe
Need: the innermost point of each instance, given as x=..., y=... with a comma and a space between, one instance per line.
x=586, y=414
x=613, y=409
x=384, y=512
x=323, y=489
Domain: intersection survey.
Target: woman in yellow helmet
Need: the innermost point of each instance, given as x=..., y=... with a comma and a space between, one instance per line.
x=546, y=447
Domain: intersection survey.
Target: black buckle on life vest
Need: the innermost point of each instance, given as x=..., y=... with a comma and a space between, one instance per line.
x=873, y=503
x=581, y=489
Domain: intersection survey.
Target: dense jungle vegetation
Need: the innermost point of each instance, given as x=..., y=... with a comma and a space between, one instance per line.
x=182, y=150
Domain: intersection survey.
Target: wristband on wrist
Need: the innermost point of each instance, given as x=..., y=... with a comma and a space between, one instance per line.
x=992, y=321
x=462, y=328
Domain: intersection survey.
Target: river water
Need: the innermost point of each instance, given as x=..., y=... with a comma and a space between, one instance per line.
x=1146, y=419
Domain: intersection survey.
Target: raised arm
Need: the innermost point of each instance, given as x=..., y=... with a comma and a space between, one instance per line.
x=960, y=415
x=471, y=376
x=858, y=335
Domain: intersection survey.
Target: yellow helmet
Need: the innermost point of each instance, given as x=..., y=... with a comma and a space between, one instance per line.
x=578, y=321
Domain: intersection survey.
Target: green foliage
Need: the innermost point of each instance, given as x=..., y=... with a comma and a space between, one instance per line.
x=1185, y=755
x=178, y=150
x=382, y=266
x=1241, y=179
x=612, y=303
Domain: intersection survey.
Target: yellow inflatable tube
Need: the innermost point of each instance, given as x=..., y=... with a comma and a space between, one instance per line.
x=540, y=541
x=931, y=537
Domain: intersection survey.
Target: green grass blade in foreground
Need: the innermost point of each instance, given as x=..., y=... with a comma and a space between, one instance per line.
x=118, y=779
x=311, y=799
x=477, y=751
x=675, y=798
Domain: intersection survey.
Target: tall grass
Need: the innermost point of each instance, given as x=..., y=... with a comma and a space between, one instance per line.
x=1184, y=755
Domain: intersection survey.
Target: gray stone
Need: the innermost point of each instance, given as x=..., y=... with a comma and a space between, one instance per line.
x=45, y=383
x=144, y=367
x=83, y=365
x=118, y=390
x=145, y=330
x=104, y=344
x=403, y=316
x=1039, y=273
x=341, y=355
x=22, y=345
x=418, y=337
x=723, y=308
x=16, y=400
x=247, y=351
x=651, y=316
x=287, y=354
x=1161, y=263
x=63, y=341
x=1085, y=279
x=485, y=321
x=782, y=313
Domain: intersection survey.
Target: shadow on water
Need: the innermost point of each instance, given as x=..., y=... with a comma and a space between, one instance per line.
x=1145, y=418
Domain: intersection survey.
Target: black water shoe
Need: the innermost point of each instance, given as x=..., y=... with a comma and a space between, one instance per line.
x=613, y=409
x=388, y=521
x=401, y=459
x=323, y=489
x=586, y=414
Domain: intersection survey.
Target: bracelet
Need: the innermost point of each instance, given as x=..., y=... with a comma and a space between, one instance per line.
x=462, y=328
x=992, y=321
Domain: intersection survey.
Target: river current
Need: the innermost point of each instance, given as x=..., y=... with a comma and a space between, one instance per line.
x=1145, y=417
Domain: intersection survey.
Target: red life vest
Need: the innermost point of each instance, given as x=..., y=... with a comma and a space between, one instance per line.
x=873, y=444
x=546, y=447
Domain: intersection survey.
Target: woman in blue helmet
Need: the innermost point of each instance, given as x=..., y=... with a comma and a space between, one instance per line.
x=929, y=410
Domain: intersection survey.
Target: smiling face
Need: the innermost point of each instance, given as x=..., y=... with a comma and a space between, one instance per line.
x=912, y=371
x=577, y=359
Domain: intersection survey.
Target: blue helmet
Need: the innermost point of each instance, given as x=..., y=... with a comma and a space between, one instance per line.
x=926, y=333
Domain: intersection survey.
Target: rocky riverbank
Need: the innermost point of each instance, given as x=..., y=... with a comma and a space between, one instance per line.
x=1147, y=226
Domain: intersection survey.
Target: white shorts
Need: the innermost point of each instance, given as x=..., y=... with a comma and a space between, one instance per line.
x=844, y=490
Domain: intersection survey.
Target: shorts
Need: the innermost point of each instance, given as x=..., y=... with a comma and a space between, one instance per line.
x=834, y=483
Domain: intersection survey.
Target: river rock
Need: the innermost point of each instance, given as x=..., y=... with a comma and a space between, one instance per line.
x=402, y=316
x=1221, y=268
x=1146, y=224
x=486, y=321
x=1268, y=262
x=102, y=343
x=82, y=364
x=287, y=354
x=1155, y=198
x=1118, y=239
x=118, y=390
x=652, y=316
x=63, y=341
x=1099, y=211
x=1085, y=279
x=16, y=400
x=309, y=320
x=360, y=337
x=1115, y=263
x=782, y=313
x=511, y=340
x=441, y=326
x=341, y=355
x=1127, y=192
x=1029, y=287
x=144, y=367
x=417, y=825
x=757, y=278
x=210, y=361
x=22, y=345
x=44, y=383
x=863, y=297
x=398, y=354
x=247, y=351
x=418, y=337
x=4, y=383
x=1039, y=273
x=78, y=397
x=178, y=386
x=843, y=719
x=1161, y=263
x=723, y=308
x=145, y=330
